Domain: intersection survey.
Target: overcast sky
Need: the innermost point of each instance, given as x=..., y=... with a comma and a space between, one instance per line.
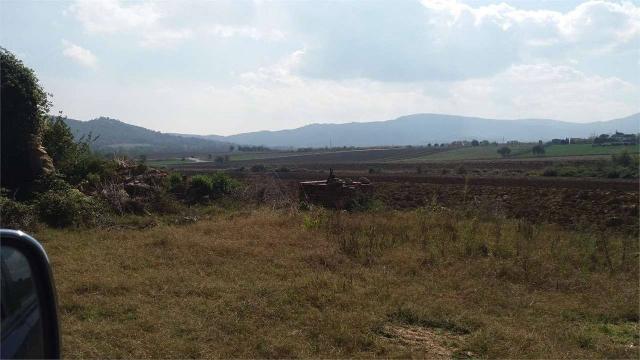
x=226, y=67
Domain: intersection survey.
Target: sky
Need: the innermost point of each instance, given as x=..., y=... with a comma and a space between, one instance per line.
x=226, y=67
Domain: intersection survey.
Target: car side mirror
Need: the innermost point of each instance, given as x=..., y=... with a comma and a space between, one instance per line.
x=28, y=305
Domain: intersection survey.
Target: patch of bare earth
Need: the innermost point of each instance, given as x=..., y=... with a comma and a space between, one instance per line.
x=434, y=343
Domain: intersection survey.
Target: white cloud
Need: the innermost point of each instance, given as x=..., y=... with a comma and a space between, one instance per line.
x=152, y=24
x=110, y=16
x=363, y=61
x=450, y=40
x=596, y=24
x=226, y=31
x=79, y=54
x=547, y=91
x=141, y=19
x=273, y=98
x=165, y=38
x=280, y=72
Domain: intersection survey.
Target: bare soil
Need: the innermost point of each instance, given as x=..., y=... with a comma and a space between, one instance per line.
x=572, y=202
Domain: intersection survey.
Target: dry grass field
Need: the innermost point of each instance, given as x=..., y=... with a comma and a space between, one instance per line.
x=259, y=282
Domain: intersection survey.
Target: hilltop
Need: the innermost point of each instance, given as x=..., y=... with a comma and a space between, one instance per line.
x=421, y=129
x=117, y=136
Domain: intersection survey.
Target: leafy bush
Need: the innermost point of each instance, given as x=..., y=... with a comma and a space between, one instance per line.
x=211, y=186
x=550, y=172
x=74, y=160
x=538, y=150
x=164, y=203
x=569, y=171
x=58, y=139
x=623, y=159
x=77, y=168
x=221, y=184
x=628, y=173
x=16, y=215
x=504, y=151
x=93, y=179
x=176, y=183
x=199, y=187
x=62, y=208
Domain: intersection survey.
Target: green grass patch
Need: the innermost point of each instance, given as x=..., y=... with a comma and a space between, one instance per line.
x=473, y=153
x=582, y=150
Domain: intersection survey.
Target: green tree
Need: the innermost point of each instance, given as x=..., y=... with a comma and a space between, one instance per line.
x=475, y=142
x=538, y=150
x=504, y=151
x=58, y=140
x=25, y=106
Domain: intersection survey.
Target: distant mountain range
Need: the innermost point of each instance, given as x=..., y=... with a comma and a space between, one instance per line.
x=117, y=136
x=421, y=129
x=418, y=129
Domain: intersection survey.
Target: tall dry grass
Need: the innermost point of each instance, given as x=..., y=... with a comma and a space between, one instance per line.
x=269, y=283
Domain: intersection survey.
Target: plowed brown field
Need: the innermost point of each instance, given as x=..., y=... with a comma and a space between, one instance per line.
x=570, y=202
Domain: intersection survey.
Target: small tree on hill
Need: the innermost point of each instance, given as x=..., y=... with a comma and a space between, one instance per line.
x=504, y=151
x=538, y=150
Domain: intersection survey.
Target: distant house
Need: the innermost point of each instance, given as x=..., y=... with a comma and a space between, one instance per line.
x=623, y=139
x=616, y=139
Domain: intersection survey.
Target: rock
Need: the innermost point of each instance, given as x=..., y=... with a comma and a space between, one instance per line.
x=39, y=161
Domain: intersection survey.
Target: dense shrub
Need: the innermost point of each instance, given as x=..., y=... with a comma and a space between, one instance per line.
x=77, y=168
x=258, y=168
x=58, y=139
x=212, y=186
x=550, y=172
x=163, y=203
x=61, y=208
x=504, y=151
x=16, y=215
x=221, y=184
x=623, y=159
x=199, y=187
x=175, y=183
x=538, y=150
x=93, y=179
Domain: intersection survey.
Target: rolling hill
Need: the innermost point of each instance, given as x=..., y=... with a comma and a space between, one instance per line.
x=117, y=136
x=417, y=129
x=420, y=129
